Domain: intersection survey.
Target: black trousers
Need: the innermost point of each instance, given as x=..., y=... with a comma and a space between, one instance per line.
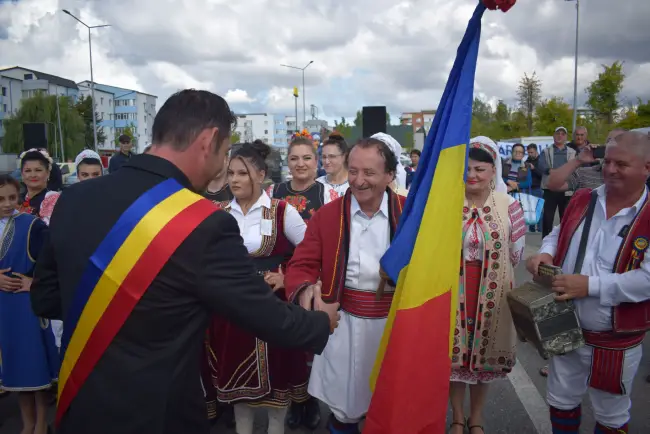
x=553, y=200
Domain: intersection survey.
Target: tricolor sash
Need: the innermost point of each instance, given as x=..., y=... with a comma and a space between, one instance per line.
x=118, y=274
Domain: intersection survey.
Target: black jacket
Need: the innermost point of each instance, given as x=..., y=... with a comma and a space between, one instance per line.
x=147, y=381
x=55, y=183
x=536, y=174
x=117, y=161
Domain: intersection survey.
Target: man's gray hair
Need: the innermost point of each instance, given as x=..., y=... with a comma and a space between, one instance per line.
x=582, y=128
x=638, y=141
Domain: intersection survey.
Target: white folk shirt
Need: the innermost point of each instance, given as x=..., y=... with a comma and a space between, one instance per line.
x=340, y=376
x=369, y=239
x=251, y=226
x=606, y=289
x=333, y=191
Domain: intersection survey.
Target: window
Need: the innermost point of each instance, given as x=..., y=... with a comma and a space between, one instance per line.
x=266, y=140
x=4, y=91
x=110, y=102
x=4, y=108
x=28, y=76
x=266, y=122
x=101, y=100
x=266, y=131
x=144, y=105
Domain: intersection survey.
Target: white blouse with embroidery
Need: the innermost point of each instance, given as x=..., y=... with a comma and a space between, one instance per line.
x=333, y=191
x=473, y=242
x=252, y=227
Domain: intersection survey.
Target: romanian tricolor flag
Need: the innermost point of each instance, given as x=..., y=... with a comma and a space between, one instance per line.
x=411, y=376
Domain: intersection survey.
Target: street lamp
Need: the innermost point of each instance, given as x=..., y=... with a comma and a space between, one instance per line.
x=304, y=110
x=575, y=70
x=92, y=80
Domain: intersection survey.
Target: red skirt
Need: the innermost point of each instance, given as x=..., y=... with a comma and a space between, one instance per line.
x=473, y=271
x=250, y=370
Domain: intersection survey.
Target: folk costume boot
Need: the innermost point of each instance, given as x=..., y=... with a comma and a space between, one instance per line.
x=602, y=429
x=566, y=421
x=295, y=415
x=311, y=417
x=336, y=427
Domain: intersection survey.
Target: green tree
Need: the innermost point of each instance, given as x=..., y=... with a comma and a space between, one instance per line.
x=603, y=92
x=128, y=130
x=42, y=108
x=550, y=114
x=529, y=94
x=636, y=116
x=235, y=137
x=84, y=107
x=343, y=127
x=482, y=117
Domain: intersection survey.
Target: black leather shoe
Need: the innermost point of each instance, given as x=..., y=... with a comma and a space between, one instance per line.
x=295, y=415
x=311, y=419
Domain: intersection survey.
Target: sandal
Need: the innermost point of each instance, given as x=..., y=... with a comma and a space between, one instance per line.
x=456, y=423
x=471, y=427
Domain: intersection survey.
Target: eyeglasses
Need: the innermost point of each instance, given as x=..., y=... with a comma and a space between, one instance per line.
x=331, y=156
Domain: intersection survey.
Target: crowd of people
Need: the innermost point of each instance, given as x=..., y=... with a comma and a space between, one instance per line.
x=276, y=291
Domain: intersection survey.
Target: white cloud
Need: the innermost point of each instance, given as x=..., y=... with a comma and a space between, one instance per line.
x=238, y=96
x=392, y=52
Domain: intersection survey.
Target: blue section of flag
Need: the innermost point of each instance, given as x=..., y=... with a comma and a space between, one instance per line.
x=451, y=127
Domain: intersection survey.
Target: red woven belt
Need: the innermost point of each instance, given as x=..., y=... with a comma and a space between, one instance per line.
x=364, y=304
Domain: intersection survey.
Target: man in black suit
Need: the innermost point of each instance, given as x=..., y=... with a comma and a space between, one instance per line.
x=148, y=379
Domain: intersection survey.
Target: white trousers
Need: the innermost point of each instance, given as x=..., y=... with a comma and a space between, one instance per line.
x=245, y=419
x=568, y=378
x=340, y=377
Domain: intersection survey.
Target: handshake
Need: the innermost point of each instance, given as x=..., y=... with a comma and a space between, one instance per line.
x=310, y=298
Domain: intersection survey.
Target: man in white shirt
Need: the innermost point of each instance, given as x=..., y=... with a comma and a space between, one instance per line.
x=338, y=260
x=610, y=288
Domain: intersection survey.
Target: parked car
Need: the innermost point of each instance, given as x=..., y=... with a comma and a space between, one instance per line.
x=66, y=170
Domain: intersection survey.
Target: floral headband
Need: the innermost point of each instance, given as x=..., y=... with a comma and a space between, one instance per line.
x=483, y=146
x=43, y=152
x=304, y=133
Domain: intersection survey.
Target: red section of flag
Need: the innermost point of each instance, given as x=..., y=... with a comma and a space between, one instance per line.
x=502, y=5
x=155, y=256
x=412, y=391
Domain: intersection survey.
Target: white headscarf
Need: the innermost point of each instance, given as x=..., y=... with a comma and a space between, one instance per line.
x=400, y=173
x=488, y=144
x=87, y=153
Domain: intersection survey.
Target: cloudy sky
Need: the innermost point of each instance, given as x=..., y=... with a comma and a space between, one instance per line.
x=365, y=52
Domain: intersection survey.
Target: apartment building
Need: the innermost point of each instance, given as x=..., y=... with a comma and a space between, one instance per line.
x=18, y=83
x=269, y=128
x=120, y=108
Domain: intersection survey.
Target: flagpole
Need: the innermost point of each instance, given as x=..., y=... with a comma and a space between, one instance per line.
x=575, y=71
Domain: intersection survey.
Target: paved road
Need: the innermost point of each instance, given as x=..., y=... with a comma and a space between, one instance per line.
x=516, y=406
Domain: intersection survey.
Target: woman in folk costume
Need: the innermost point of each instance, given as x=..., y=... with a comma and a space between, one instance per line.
x=493, y=244
x=36, y=166
x=89, y=165
x=307, y=196
x=248, y=372
x=29, y=357
x=399, y=183
x=334, y=152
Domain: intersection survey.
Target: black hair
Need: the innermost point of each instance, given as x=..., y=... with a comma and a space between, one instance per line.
x=532, y=146
x=90, y=162
x=9, y=180
x=518, y=145
x=255, y=153
x=35, y=156
x=299, y=141
x=390, y=159
x=188, y=112
x=480, y=155
x=339, y=141
x=124, y=138
x=416, y=152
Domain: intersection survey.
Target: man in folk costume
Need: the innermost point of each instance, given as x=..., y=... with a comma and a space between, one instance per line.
x=607, y=273
x=338, y=261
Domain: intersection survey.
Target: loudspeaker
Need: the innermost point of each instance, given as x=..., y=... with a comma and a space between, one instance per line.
x=34, y=135
x=374, y=120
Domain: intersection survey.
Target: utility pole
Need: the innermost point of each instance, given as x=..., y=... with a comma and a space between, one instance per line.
x=295, y=95
x=575, y=71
